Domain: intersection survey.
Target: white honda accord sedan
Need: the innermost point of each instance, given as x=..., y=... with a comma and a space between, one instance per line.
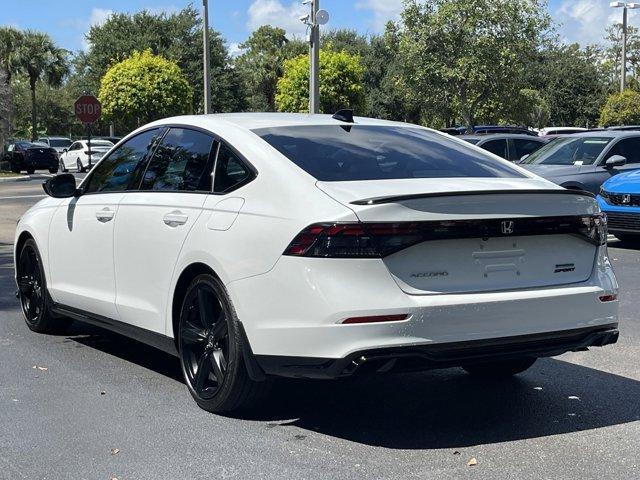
x=261, y=245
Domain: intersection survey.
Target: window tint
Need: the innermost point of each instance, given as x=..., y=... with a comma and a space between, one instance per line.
x=629, y=148
x=498, y=147
x=75, y=146
x=114, y=173
x=231, y=172
x=347, y=153
x=182, y=162
x=524, y=147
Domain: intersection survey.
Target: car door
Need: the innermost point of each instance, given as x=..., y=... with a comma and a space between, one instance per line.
x=629, y=148
x=154, y=221
x=81, y=234
x=67, y=159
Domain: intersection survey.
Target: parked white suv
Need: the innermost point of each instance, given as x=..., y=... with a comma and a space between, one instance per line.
x=255, y=245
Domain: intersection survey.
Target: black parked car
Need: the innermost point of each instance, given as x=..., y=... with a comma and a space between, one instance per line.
x=31, y=156
x=511, y=147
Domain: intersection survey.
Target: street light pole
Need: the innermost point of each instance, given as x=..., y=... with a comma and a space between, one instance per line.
x=623, y=63
x=207, y=55
x=314, y=45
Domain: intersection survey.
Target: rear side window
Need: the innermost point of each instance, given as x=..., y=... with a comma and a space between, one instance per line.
x=114, y=173
x=524, y=147
x=231, y=172
x=182, y=162
x=348, y=153
x=498, y=147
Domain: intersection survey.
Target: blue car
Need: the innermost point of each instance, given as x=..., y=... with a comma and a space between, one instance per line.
x=620, y=199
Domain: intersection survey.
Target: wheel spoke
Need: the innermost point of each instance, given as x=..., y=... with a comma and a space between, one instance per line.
x=202, y=373
x=219, y=330
x=202, y=308
x=219, y=364
x=24, y=285
x=192, y=334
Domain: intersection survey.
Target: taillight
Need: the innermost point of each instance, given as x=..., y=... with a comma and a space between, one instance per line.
x=354, y=240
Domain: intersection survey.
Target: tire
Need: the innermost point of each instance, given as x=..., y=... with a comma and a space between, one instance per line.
x=31, y=171
x=62, y=167
x=79, y=166
x=15, y=169
x=214, y=348
x=505, y=368
x=628, y=239
x=32, y=292
x=53, y=170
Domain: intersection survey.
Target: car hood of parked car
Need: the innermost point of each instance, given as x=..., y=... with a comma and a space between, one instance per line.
x=624, y=183
x=552, y=171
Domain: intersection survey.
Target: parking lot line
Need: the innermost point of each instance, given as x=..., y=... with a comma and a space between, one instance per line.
x=22, y=196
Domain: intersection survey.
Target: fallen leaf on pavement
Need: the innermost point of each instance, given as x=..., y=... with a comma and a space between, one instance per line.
x=472, y=462
x=103, y=392
x=115, y=451
x=456, y=452
x=44, y=369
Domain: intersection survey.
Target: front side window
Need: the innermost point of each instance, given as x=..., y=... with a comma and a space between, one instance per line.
x=570, y=151
x=524, y=147
x=114, y=173
x=348, y=153
x=629, y=148
x=497, y=147
x=231, y=172
x=182, y=162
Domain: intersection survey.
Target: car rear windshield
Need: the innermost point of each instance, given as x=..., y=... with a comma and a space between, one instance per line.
x=335, y=153
x=569, y=151
x=55, y=142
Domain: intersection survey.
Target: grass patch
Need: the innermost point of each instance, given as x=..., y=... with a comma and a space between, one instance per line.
x=6, y=173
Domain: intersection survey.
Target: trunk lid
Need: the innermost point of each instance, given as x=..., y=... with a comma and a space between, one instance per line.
x=481, y=234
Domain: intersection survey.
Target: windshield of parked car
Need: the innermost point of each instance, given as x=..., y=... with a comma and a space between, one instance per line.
x=569, y=151
x=59, y=142
x=336, y=153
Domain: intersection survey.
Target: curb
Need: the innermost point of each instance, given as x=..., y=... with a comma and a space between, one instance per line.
x=15, y=179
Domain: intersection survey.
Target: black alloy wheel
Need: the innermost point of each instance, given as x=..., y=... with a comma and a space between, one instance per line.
x=32, y=292
x=204, y=341
x=211, y=349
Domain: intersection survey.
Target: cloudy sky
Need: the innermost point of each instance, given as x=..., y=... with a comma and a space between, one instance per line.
x=67, y=20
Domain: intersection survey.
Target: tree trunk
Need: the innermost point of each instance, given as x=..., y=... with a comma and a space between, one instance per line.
x=34, y=117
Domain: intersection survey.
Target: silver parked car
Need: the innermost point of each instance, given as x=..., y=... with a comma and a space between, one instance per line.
x=585, y=161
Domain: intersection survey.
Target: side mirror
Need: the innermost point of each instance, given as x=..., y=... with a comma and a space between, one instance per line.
x=615, y=161
x=64, y=150
x=61, y=186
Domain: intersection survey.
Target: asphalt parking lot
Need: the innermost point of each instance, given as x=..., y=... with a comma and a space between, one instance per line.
x=92, y=405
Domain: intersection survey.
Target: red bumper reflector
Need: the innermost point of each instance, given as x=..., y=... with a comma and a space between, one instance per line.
x=608, y=298
x=376, y=319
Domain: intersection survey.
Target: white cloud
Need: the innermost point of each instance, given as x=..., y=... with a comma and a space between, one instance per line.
x=235, y=50
x=275, y=13
x=585, y=21
x=168, y=10
x=382, y=10
x=99, y=16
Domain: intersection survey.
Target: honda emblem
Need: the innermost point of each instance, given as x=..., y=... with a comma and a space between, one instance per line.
x=508, y=227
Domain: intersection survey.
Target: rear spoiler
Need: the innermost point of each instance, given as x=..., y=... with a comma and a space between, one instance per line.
x=400, y=198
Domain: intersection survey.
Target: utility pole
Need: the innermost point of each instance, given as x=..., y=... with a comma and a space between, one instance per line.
x=623, y=68
x=314, y=45
x=207, y=55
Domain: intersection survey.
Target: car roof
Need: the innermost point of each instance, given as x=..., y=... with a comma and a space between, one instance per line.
x=499, y=136
x=252, y=121
x=606, y=133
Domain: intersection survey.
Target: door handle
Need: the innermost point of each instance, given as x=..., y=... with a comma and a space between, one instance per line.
x=105, y=215
x=175, y=218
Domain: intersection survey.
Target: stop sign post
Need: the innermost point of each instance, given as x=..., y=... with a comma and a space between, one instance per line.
x=88, y=110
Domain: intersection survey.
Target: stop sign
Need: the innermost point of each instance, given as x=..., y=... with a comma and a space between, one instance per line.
x=87, y=108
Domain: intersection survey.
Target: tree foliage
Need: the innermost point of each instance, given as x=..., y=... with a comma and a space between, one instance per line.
x=466, y=57
x=176, y=37
x=621, y=109
x=341, y=83
x=143, y=88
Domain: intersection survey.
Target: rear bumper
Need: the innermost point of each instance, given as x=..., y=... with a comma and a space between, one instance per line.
x=423, y=357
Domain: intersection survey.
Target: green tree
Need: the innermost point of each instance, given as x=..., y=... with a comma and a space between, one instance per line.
x=143, y=88
x=41, y=60
x=176, y=37
x=262, y=64
x=621, y=109
x=530, y=109
x=613, y=53
x=340, y=83
x=467, y=56
x=9, y=44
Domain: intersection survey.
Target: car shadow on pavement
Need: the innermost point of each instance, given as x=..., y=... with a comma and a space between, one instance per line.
x=428, y=410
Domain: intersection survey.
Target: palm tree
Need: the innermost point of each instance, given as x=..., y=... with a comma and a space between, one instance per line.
x=41, y=60
x=9, y=45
